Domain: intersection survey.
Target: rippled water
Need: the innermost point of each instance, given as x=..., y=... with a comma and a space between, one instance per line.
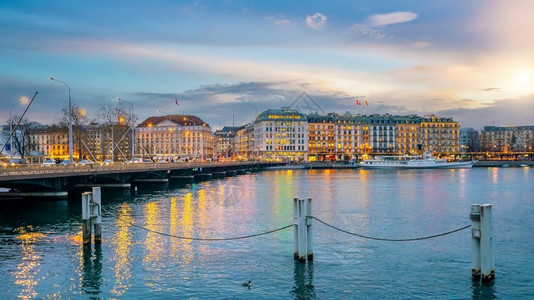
x=41, y=254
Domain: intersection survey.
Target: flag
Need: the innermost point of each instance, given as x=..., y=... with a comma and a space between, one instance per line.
x=366, y=103
x=358, y=102
x=176, y=101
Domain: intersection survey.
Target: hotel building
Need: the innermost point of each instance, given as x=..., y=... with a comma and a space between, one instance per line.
x=281, y=135
x=174, y=136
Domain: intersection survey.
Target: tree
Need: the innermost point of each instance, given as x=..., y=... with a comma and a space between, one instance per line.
x=80, y=121
x=118, y=120
x=19, y=140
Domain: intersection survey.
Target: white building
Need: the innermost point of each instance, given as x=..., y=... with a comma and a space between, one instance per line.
x=174, y=136
x=281, y=135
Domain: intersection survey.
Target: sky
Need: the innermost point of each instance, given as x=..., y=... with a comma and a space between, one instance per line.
x=227, y=61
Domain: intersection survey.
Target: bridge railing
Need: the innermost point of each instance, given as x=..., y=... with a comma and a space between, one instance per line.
x=96, y=168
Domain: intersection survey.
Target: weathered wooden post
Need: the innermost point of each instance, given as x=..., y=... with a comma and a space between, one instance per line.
x=86, y=218
x=96, y=213
x=302, y=230
x=482, y=242
x=486, y=243
x=309, y=235
x=295, y=228
x=475, y=240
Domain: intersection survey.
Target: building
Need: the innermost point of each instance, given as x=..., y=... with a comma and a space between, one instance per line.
x=439, y=136
x=174, y=136
x=507, y=139
x=224, y=145
x=281, y=135
x=321, y=137
x=469, y=140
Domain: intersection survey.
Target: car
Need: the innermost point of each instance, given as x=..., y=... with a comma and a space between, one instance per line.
x=85, y=162
x=108, y=162
x=18, y=162
x=49, y=162
x=67, y=162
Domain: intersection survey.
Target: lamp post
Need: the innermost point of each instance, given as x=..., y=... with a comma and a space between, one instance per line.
x=70, y=118
x=132, y=125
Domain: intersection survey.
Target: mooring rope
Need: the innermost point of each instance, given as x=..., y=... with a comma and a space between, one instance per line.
x=386, y=239
x=195, y=238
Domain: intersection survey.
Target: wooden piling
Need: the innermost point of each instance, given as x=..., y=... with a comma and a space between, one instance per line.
x=487, y=268
x=86, y=218
x=302, y=230
x=97, y=214
x=295, y=229
x=309, y=229
x=475, y=240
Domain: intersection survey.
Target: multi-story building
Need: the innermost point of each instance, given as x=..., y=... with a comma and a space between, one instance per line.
x=52, y=141
x=469, y=140
x=407, y=131
x=281, y=135
x=321, y=137
x=173, y=136
x=440, y=136
x=509, y=138
x=224, y=145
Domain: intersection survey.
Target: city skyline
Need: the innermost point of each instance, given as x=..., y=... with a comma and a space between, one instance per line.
x=227, y=62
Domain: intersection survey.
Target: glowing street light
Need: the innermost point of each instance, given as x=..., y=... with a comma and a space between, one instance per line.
x=70, y=118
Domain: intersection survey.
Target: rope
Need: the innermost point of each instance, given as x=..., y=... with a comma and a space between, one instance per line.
x=390, y=240
x=194, y=238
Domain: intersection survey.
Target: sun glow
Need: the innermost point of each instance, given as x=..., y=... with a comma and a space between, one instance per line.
x=524, y=81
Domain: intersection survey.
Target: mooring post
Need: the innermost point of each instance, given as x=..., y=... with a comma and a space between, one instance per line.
x=486, y=243
x=302, y=230
x=86, y=218
x=309, y=230
x=295, y=228
x=475, y=240
x=97, y=214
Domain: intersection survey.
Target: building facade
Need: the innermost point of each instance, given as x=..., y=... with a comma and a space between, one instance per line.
x=507, y=139
x=281, y=135
x=174, y=136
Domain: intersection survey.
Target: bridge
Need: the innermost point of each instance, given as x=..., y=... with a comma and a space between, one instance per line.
x=56, y=181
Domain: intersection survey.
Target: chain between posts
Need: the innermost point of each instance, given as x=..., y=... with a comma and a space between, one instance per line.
x=195, y=238
x=386, y=239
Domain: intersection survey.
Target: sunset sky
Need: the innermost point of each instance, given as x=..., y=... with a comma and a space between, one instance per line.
x=227, y=61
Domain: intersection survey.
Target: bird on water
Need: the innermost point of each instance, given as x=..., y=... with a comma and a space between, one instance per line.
x=247, y=284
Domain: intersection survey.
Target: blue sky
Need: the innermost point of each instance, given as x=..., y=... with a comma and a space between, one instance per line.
x=227, y=61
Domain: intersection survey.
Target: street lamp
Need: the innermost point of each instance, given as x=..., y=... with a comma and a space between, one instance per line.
x=132, y=125
x=70, y=118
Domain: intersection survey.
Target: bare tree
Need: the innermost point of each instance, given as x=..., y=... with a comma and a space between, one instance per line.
x=80, y=121
x=117, y=119
x=19, y=140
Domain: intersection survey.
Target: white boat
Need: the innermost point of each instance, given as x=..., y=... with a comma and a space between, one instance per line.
x=413, y=162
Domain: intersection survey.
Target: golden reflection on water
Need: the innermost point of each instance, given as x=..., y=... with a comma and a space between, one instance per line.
x=365, y=188
x=186, y=224
x=154, y=241
x=29, y=267
x=123, y=245
x=495, y=175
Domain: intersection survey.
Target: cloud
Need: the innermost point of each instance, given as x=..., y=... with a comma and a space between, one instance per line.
x=392, y=18
x=420, y=44
x=280, y=21
x=317, y=21
x=366, y=30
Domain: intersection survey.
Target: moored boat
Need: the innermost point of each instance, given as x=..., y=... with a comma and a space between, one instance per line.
x=413, y=162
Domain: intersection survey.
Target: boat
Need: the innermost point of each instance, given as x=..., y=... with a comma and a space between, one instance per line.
x=426, y=161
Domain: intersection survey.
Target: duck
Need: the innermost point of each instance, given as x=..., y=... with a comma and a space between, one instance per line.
x=247, y=284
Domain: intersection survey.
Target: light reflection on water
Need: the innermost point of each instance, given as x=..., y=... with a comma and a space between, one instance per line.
x=45, y=258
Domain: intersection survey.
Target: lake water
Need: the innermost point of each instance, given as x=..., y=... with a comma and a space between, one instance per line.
x=41, y=254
